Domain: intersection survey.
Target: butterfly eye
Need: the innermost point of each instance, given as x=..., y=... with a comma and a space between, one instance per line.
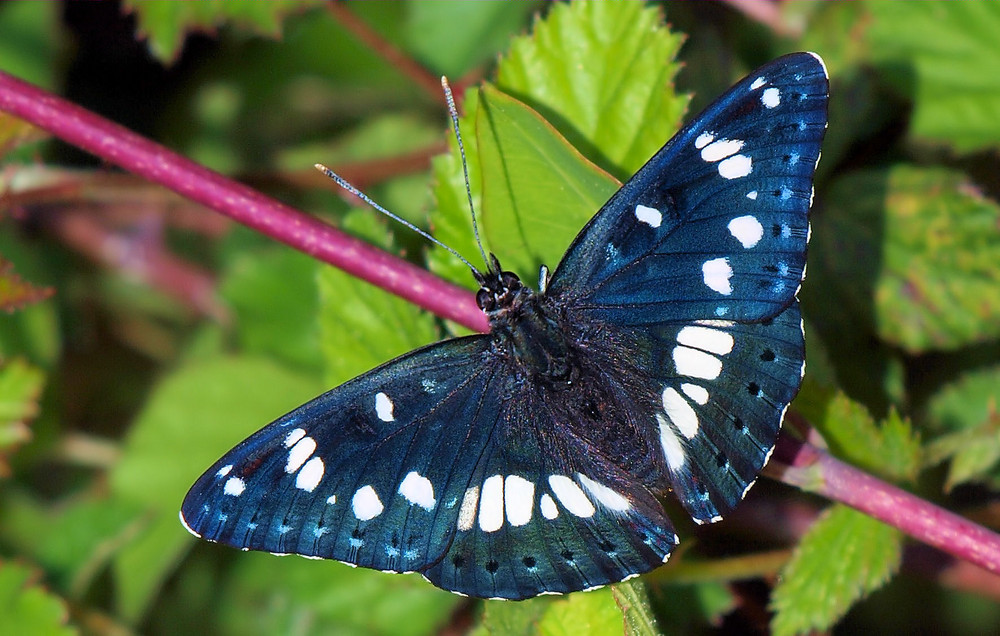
x=510, y=281
x=485, y=300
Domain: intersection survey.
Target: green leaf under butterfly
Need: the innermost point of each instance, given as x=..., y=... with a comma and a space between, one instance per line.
x=538, y=191
x=844, y=557
x=601, y=73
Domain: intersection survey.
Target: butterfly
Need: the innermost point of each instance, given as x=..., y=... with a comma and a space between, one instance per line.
x=660, y=355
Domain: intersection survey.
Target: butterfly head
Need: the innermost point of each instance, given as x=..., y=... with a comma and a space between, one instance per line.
x=498, y=289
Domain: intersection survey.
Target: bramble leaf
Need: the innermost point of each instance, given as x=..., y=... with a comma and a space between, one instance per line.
x=844, y=557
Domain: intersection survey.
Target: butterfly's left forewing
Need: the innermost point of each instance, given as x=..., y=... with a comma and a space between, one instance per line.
x=367, y=473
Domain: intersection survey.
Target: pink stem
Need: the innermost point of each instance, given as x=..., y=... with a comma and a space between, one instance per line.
x=143, y=157
x=814, y=470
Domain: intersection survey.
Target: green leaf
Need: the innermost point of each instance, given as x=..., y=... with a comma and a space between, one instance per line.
x=594, y=612
x=194, y=416
x=27, y=607
x=455, y=37
x=844, y=557
x=968, y=408
x=361, y=325
x=915, y=250
x=615, y=609
x=272, y=293
x=890, y=449
x=165, y=24
x=531, y=219
x=515, y=619
x=602, y=73
x=944, y=55
x=73, y=540
x=272, y=595
x=633, y=600
x=20, y=386
x=618, y=115
x=27, y=46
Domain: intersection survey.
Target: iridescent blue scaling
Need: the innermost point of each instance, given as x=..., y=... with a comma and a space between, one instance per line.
x=660, y=356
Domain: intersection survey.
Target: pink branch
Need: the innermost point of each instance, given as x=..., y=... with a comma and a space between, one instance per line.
x=816, y=471
x=143, y=157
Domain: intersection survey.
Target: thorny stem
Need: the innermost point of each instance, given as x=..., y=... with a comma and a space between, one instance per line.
x=307, y=234
x=803, y=465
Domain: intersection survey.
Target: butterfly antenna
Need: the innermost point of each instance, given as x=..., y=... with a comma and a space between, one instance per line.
x=395, y=217
x=453, y=112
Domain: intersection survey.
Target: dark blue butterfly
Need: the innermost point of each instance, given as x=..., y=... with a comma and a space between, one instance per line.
x=661, y=355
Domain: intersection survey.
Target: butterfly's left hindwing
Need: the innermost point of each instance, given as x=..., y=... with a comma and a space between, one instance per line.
x=443, y=462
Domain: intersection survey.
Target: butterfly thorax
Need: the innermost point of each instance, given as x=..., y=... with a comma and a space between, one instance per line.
x=525, y=328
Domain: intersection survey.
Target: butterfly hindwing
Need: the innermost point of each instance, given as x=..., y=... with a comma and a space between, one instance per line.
x=442, y=462
x=547, y=512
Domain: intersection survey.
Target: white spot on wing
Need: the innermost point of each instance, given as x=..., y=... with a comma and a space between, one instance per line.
x=571, y=496
x=234, y=487
x=294, y=436
x=696, y=364
x=752, y=195
x=747, y=230
x=225, y=470
x=519, y=499
x=716, y=274
x=310, y=475
x=672, y=448
x=649, y=216
x=491, y=504
x=696, y=392
x=735, y=167
x=332, y=499
x=706, y=338
x=366, y=504
x=299, y=454
x=604, y=495
x=467, y=512
x=757, y=83
x=384, y=407
x=418, y=490
x=771, y=97
x=721, y=149
x=548, y=506
x=703, y=140
x=680, y=412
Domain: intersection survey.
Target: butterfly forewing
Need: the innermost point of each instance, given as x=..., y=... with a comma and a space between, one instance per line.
x=715, y=224
x=662, y=356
